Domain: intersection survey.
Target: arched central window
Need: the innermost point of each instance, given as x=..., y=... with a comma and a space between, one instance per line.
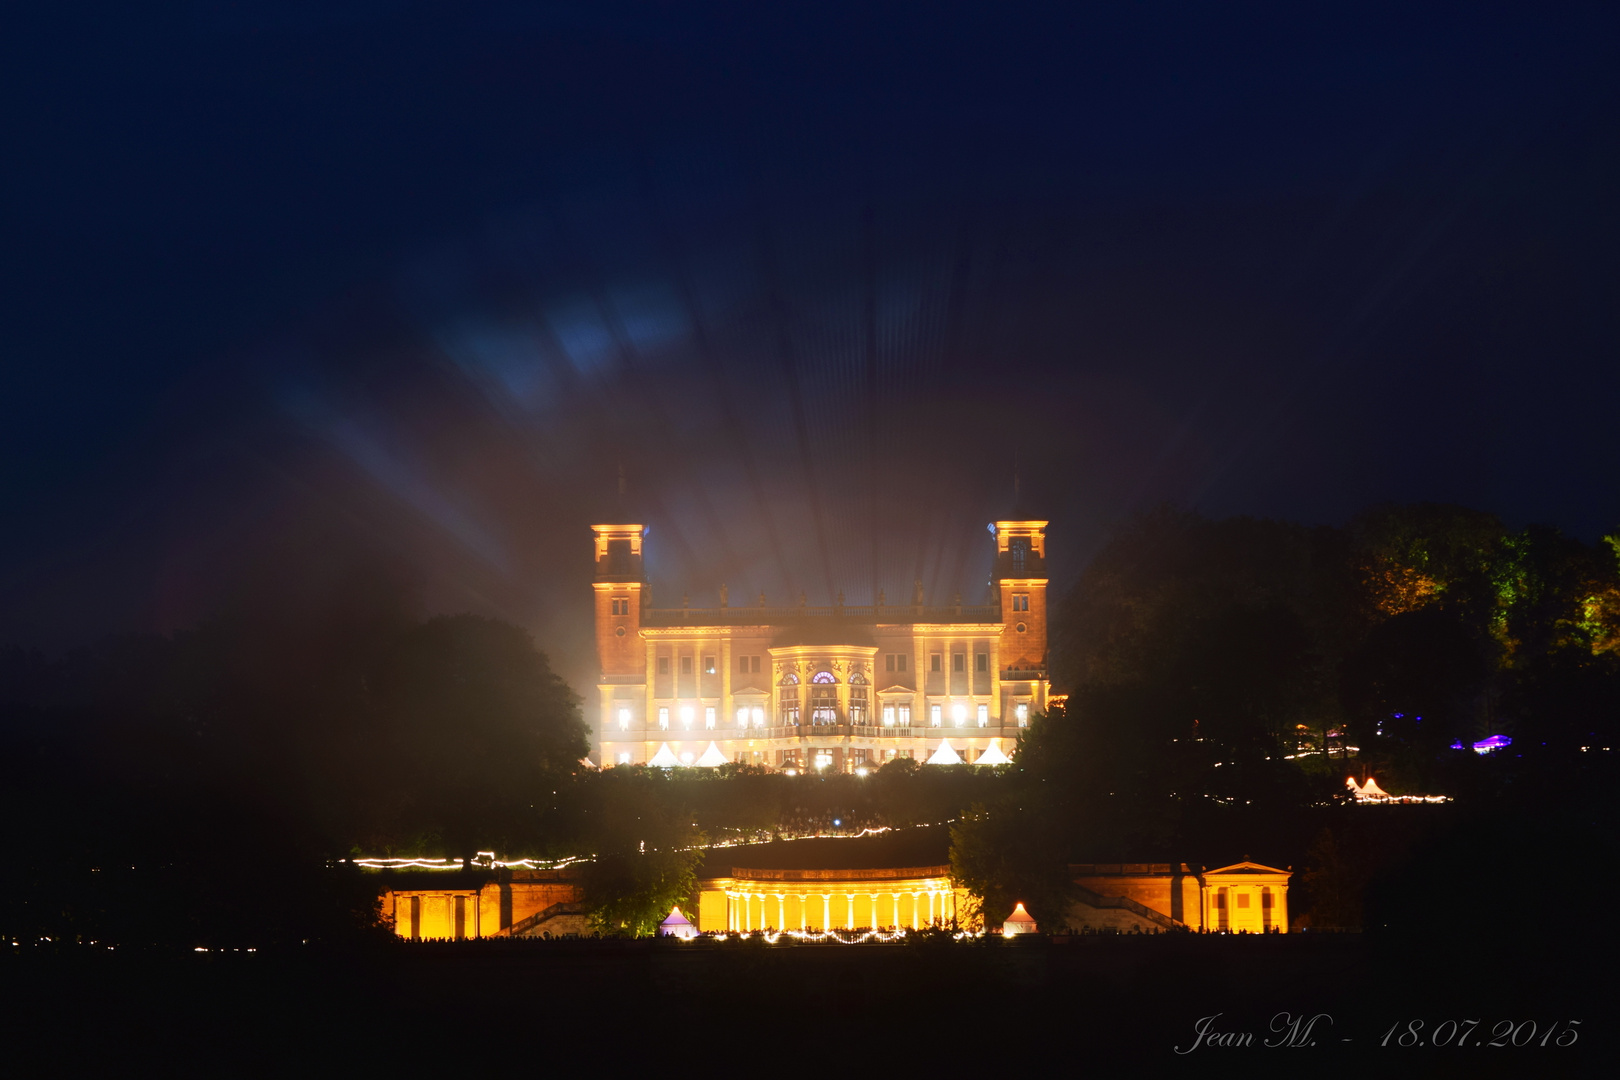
x=823, y=698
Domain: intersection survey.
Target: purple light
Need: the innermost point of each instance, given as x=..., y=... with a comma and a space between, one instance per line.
x=1494, y=742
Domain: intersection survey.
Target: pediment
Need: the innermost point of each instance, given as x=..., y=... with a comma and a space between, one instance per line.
x=1246, y=868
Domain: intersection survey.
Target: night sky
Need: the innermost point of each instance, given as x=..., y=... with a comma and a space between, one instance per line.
x=321, y=304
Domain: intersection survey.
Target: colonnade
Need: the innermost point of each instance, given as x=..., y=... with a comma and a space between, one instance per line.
x=748, y=910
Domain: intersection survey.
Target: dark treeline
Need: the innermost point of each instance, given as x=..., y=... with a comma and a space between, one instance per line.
x=1224, y=679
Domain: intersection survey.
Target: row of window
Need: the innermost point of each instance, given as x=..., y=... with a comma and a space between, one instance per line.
x=708, y=667
x=891, y=661
x=822, y=713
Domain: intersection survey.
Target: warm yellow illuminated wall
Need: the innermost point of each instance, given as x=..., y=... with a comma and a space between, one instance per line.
x=1232, y=898
x=837, y=899
x=1235, y=899
x=488, y=911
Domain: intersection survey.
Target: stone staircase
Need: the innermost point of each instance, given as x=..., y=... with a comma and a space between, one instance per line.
x=1123, y=903
x=558, y=919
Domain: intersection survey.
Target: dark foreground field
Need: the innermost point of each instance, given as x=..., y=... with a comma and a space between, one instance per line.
x=1060, y=1007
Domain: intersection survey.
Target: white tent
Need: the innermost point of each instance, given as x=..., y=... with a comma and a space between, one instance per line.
x=993, y=755
x=665, y=758
x=677, y=925
x=945, y=755
x=1019, y=922
x=1370, y=791
x=711, y=757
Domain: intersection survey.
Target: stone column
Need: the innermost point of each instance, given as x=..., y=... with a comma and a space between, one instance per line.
x=727, y=704
x=649, y=715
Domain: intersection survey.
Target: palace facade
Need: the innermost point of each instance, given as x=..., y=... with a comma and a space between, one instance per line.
x=840, y=688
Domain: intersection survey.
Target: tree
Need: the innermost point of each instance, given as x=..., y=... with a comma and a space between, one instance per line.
x=646, y=851
x=1006, y=854
x=473, y=726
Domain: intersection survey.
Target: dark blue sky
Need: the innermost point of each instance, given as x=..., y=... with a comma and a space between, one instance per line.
x=312, y=301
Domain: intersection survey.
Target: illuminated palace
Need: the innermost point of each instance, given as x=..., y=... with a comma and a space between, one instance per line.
x=837, y=688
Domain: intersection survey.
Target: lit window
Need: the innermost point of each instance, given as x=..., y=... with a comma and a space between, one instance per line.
x=686, y=665
x=709, y=716
x=888, y=716
x=624, y=719
x=759, y=716
x=663, y=665
x=823, y=758
x=934, y=712
x=959, y=713
x=663, y=718
x=686, y=717
x=624, y=759
x=708, y=665
x=742, y=717
x=1021, y=710
x=984, y=716
x=981, y=661
x=905, y=716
